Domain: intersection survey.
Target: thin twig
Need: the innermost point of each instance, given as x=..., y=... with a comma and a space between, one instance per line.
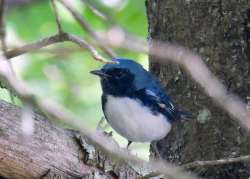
x=3, y=43
x=2, y=26
x=57, y=50
x=216, y=162
x=75, y=39
x=97, y=12
x=34, y=46
x=57, y=18
x=87, y=27
x=56, y=39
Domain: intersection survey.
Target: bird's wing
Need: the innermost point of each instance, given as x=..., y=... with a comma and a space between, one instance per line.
x=164, y=102
x=158, y=102
x=148, y=87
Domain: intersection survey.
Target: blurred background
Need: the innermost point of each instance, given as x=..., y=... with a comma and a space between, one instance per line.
x=60, y=72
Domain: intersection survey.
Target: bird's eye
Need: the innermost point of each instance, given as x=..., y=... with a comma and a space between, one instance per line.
x=119, y=74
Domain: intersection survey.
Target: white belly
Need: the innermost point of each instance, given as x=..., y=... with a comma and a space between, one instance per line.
x=135, y=122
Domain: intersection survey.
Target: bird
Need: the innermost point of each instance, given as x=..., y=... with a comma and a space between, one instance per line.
x=134, y=103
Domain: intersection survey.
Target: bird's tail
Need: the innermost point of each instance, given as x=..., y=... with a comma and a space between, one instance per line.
x=185, y=114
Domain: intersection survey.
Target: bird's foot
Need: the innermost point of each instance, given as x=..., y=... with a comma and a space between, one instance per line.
x=102, y=125
x=109, y=134
x=129, y=143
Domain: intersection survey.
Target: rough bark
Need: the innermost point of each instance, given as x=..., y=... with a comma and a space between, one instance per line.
x=51, y=152
x=219, y=30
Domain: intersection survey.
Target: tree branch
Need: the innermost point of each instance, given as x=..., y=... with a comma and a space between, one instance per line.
x=35, y=45
x=2, y=26
x=216, y=162
x=3, y=41
x=52, y=40
x=87, y=27
x=97, y=12
x=55, y=11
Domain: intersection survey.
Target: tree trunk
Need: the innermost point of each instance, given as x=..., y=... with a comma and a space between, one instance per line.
x=51, y=152
x=220, y=32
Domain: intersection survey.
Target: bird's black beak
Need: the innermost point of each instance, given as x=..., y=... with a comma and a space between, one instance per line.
x=99, y=73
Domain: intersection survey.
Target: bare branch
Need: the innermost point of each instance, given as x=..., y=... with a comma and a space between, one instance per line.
x=52, y=40
x=3, y=42
x=87, y=46
x=35, y=45
x=55, y=11
x=76, y=39
x=87, y=27
x=56, y=50
x=216, y=162
x=2, y=26
x=97, y=12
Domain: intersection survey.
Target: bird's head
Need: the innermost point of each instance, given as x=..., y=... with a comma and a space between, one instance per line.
x=121, y=78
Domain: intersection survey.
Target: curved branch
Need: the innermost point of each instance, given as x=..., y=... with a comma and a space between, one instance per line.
x=61, y=37
x=34, y=45
x=87, y=27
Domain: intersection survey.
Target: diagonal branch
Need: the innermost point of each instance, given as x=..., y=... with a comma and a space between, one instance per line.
x=35, y=45
x=216, y=162
x=87, y=27
x=77, y=40
x=97, y=12
x=57, y=18
x=2, y=26
x=3, y=41
x=52, y=40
